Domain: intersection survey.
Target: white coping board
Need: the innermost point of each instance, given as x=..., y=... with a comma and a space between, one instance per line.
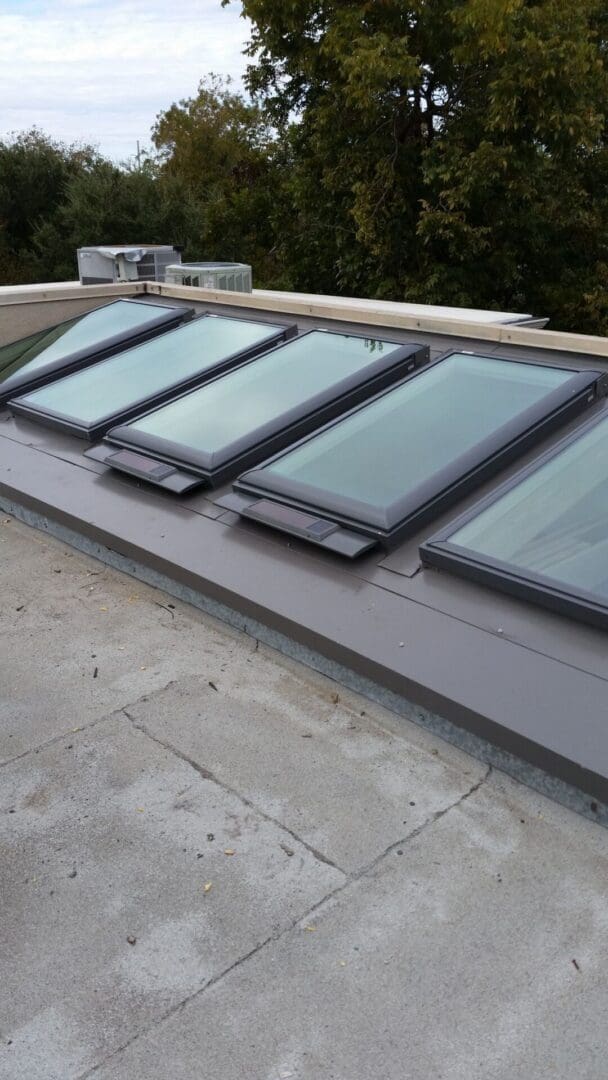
x=398, y=308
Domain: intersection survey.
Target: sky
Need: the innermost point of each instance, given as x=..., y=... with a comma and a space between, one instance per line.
x=99, y=71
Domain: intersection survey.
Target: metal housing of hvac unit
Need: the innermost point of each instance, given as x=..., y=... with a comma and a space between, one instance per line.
x=125, y=262
x=235, y=277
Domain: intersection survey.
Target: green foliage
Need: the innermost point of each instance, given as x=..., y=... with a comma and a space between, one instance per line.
x=515, y=211
x=452, y=152
x=220, y=146
x=109, y=205
x=214, y=138
x=34, y=172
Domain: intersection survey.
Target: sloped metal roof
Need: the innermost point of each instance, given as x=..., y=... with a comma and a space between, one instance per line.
x=516, y=685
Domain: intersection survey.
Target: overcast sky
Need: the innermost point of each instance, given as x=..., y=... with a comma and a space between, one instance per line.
x=99, y=71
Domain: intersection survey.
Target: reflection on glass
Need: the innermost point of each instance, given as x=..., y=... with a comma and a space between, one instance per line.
x=386, y=449
x=554, y=522
x=84, y=332
x=131, y=376
x=244, y=400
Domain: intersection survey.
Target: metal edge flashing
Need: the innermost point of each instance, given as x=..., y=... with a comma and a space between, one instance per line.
x=217, y=468
x=86, y=357
x=90, y=432
x=552, y=776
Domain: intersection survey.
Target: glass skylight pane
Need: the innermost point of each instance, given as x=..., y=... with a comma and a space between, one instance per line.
x=553, y=523
x=384, y=451
x=137, y=374
x=86, y=332
x=216, y=416
x=83, y=332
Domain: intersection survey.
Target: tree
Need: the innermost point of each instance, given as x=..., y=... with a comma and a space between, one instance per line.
x=34, y=172
x=452, y=151
x=110, y=205
x=213, y=137
x=517, y=187
x=221, y=147
x=209, y=188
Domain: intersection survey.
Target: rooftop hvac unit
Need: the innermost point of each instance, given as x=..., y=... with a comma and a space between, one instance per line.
x=236, y=277
x=125, y=262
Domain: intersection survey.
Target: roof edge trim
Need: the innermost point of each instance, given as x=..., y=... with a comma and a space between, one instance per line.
x=372, y=316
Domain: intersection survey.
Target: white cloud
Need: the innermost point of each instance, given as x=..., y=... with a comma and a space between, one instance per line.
x=100, y=70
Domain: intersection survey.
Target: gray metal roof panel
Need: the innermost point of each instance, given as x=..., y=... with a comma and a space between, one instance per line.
x=530, y=682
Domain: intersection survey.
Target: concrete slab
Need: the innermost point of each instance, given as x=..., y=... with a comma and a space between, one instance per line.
x=442, y=943
x=311, y=755
x=78, y=640
x=108, y=843
x=454, y=959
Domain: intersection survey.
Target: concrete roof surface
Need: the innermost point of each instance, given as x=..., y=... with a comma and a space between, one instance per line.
x=220, y=864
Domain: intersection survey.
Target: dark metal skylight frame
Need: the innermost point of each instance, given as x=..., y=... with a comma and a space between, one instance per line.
x=189, y=467
x=257, y=494
x=542, y=589
x=167, y=318
x=75, y=426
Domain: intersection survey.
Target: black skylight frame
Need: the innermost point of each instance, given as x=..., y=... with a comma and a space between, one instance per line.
x=259, y=497
x=168, y=318
x=541, y=589
x=190, y=468
x=73, y=426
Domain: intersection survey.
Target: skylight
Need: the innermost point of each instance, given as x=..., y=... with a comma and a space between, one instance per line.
x=396, y=461
x=80, y=341
x=249, y=412
x=544, y=535
x=89, y=402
